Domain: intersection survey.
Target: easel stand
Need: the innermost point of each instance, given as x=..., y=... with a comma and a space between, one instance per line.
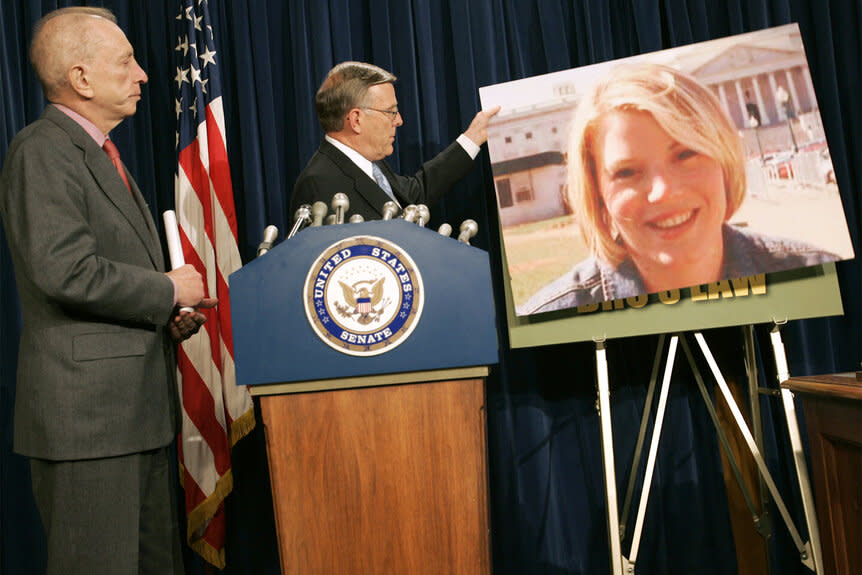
x=809, y=551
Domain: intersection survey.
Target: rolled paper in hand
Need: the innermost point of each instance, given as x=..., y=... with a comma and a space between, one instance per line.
x=175, y=247
x=172, y=232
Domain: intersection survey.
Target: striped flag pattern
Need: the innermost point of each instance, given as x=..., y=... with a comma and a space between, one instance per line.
x=216, y=413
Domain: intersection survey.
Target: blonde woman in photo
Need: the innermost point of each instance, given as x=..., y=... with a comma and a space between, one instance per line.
x=655, y=171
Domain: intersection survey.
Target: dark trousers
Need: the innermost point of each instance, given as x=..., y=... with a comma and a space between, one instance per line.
x=109, y=516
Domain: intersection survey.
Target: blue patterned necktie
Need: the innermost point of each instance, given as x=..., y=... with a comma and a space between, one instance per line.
x=382, y=181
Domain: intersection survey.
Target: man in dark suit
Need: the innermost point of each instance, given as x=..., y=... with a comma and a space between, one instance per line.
x=358, y=111
x=96, y=405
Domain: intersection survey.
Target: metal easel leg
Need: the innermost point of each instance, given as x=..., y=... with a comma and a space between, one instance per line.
x=812, y=555
x=762, y=522
x=604, y=407
x=803, y=548
x=653, y=450
x=636, y=458
x=722, y=437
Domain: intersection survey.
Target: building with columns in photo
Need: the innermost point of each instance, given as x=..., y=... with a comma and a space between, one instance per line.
x=762, y=81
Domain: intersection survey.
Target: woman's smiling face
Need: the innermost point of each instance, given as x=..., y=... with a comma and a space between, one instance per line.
x=667, y=201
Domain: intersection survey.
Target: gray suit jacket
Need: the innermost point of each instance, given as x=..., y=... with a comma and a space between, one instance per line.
x=329, y=172
x=96, y=365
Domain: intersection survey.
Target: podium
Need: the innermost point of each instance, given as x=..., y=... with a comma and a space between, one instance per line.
x=833, y=410
x=368, y=346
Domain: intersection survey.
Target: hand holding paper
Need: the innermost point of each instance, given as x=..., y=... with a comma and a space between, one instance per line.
x=185, y=324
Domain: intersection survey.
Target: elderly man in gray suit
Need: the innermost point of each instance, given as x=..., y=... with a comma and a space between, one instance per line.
x=96, y=405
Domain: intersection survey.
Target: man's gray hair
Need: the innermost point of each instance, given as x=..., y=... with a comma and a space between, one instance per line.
x=345, y=88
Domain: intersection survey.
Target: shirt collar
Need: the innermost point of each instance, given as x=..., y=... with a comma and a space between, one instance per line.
x=88, y=126
x=361, y=161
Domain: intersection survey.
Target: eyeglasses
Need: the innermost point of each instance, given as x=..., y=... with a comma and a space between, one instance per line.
x=393, y=114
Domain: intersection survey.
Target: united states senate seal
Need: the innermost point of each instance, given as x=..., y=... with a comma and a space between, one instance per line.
x=363, y=295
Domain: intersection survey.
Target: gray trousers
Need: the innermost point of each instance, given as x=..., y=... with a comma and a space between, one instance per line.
x=115, y=515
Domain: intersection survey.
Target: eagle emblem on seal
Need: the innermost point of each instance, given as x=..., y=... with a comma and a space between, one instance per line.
x=363, y=295
x=363, y=300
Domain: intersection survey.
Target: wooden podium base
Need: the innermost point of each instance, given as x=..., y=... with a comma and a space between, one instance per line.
x=389, y=479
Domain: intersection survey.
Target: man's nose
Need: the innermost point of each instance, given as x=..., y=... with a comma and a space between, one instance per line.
x=142, y=76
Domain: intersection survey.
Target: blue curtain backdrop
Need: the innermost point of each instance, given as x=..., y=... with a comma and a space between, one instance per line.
x=547, y=495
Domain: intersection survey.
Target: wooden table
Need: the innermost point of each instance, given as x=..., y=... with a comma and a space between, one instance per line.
x=833, y=412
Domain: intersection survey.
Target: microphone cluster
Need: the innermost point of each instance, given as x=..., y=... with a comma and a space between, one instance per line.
x=317, y=214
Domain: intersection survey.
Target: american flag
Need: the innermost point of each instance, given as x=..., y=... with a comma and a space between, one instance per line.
x=216, y=413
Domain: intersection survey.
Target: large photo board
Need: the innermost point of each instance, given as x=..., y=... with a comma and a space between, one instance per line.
x=696, y=169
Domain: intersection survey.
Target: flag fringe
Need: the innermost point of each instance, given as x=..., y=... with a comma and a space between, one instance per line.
x=242, y=426
x=210, y=554
x=197, y=518
x=205, y=510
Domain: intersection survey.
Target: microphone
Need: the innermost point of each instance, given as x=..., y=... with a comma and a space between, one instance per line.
x=468, y=230
x=269, y=235
x=300, y=219
x=340, y=203
x=390, y=208
x=356, y=219
x=424, y=215
x=410, y=214
x=318, y=212
x=445, y=230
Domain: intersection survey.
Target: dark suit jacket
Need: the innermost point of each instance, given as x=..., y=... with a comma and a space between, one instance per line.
x=329, y=171
x=95, y=366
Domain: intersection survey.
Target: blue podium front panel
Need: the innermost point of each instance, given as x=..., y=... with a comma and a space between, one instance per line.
x=359, y=300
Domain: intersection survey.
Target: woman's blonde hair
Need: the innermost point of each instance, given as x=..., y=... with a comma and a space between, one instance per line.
x=685, y=109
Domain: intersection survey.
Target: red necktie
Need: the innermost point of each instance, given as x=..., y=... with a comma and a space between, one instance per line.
x=113, y=153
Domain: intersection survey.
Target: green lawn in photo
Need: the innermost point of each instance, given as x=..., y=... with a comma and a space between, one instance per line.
x=539, y=252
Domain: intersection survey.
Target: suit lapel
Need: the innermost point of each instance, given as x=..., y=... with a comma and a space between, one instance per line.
x=151, y=238
x=362, y=183
x=133, y=209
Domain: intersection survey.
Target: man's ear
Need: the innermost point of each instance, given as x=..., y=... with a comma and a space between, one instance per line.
x=79, y=80
x=354, y=120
